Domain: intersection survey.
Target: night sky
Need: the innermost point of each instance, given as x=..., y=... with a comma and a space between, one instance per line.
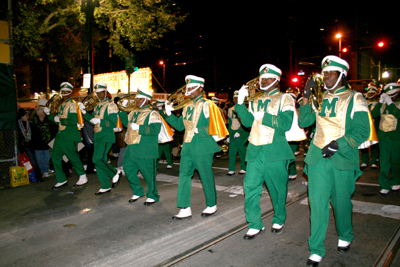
x=236, y=39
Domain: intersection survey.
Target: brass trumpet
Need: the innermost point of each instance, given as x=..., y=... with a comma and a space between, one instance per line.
x=127, y=103
x=54, y=103
x=91, y=101
x=179, y=99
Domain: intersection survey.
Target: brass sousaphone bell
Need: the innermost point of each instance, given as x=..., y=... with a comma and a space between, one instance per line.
x=54, y=103
x=91, y=101
x=179, y=99
x=127, y=103
x=254, y=89
x=316, y=92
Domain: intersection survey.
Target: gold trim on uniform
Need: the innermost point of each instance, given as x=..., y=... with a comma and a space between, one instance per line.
x=112, y=108
x=133, y=136
x=190, y=125
x=388, y=122
x=261, y=134
x=65, y=108
x=331, y=128
x=234, y=118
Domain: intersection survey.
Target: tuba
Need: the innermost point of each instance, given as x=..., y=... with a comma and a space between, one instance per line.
x=54, y=103
x=179, y=99
x=316, y=93
x=127, y=103
x=91, y=101
x=254, y=89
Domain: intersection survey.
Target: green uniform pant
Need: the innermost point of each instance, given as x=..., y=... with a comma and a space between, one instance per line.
x=325, y=184
x=69, y=149
x=148, y=169
x=274, y=174
x=203, y=164
x=389, y=159
x=104, y=170
x=237, y=146
x=292, y=166
x=166, y=149
x=374, y=154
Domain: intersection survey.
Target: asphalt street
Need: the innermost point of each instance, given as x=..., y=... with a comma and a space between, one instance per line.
x=73, y=227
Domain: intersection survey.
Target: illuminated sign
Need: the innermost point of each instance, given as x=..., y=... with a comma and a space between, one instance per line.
x=117, y=82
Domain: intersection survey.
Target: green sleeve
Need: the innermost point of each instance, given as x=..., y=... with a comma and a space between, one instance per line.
x=245, y=115
x=281, y=122
x=307, y=116
x=376, y=112
x=151, y=129
x=393, y=110
x=175, y=122
x=124, y=118
x=356, y=134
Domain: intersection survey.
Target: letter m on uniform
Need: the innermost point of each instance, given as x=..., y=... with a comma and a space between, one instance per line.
x=135, y=117
x=329, y=107
x=189, y=113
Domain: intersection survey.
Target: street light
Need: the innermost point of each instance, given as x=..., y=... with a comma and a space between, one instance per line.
x=339, y=36
x=163, y=79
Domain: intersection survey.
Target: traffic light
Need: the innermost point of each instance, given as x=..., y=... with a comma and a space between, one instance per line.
x=295, y=80
x=381, y=44
x=345, y=50
x=130, y=64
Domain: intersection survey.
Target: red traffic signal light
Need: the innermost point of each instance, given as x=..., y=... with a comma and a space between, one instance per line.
x=381, y=44
x=295, y=80
x=345, y=49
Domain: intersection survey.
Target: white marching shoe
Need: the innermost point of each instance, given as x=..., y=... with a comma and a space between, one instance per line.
x=395, y=187
x=242, y=172
x=82, y=180
x=209, y=211
x=59, y=185
x=115, y=179
x=183, y=214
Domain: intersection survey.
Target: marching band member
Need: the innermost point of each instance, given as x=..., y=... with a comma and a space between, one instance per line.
x=332, y=162
x=294, y=145
x=67, y=138
x=372, y=99
x=237, y=139
x=198, y=146
x=141, y=154
x=164, y=148
x=268, y=152
x=388, y=109
x=104, y=118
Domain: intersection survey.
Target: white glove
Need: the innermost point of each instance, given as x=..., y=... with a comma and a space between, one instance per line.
x=95, y=120
x=134, y=126
x=258, y=115
x=57, y=119
x=236, y=135
x=82, y=108
x=168, y=108
x=243, y=92
x=382, y=99
x=228, y=140
x=388, y=100
x=196, y=130
x=46, y=110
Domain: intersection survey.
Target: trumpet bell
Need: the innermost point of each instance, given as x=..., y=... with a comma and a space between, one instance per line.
x=91, y=101
x=127, y=103
x=179, y=99
x=54, y=103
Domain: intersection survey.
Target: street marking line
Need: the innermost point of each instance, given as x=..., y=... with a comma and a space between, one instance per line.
x=388, y=211
x=369, y=184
